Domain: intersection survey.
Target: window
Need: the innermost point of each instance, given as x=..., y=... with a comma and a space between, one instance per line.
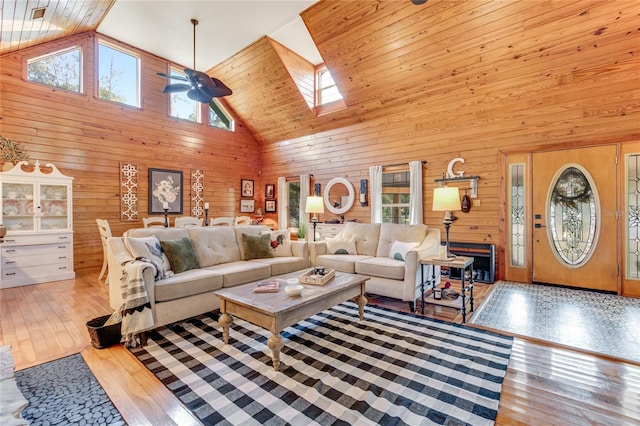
x=59, y=69
x=327, y=91
x=395, y=197
x=219, y=117
x=293, y=218
x=181, y=106
x=118, y=75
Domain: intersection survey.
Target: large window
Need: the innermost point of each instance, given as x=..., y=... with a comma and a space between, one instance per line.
x=181, y=106
x=219, y=117
x=396, y=197
x=118, y=75
x=61, y=69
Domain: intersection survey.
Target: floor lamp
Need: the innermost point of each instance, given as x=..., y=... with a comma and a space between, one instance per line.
x=446, y=199
x=314, y=205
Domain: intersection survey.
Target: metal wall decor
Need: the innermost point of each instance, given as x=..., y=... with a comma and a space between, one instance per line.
x=197, y=190
x=128, y=192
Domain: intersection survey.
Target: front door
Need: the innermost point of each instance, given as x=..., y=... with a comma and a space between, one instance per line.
x=574, y=204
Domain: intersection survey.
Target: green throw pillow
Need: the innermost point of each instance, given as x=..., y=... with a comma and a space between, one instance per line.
x=256, y=246
x=181, y=254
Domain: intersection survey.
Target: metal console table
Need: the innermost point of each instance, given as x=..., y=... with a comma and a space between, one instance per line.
x=462, y=263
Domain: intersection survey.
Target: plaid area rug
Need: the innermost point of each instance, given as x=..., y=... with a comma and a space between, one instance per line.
x=391, y=368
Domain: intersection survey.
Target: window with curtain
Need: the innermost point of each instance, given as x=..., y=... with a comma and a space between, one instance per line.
x=396, y=196
x=293, y=216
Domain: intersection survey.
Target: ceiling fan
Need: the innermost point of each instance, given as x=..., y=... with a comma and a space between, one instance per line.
x=201, y=87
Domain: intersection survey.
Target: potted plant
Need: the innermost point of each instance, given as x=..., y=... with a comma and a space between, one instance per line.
x=10, y=152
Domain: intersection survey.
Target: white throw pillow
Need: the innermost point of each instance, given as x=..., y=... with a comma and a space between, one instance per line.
x=150, y=249
x=280, y=242
x=339, y=246
x=399, y=249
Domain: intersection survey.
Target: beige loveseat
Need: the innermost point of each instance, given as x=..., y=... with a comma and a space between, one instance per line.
x=388, y=253
x=220, y=251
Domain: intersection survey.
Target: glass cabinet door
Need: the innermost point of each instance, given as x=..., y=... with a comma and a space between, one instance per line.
x=18, y=206
x=54, y=207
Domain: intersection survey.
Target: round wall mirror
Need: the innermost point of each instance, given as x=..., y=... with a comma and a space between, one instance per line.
x=339, y=195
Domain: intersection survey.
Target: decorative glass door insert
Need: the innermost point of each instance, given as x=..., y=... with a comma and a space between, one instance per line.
x=573, y=217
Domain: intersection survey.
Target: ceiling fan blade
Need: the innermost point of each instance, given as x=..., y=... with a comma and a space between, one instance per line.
x=221, y=88
x=173, y=77
x=176, y=87
x=199, y=95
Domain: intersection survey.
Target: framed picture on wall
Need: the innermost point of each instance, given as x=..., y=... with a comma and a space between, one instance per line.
x=247, y=206
x=246, y=187
x=270, y=206
x=269, y=191
x=165, y=191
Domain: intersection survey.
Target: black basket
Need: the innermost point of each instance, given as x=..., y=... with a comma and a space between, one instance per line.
x=101, y=336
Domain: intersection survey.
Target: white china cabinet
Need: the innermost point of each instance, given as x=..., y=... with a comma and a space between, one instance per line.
x=36, y=208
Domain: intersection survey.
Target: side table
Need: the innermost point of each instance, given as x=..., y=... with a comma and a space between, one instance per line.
x=463, y=263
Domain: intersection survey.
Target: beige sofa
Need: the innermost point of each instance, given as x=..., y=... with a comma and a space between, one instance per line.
x=388, y=253
x=220, y=252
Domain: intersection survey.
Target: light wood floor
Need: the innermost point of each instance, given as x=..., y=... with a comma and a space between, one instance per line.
x=544, y=385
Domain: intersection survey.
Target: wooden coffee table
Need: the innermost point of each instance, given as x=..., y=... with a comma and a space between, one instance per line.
x=276, y=311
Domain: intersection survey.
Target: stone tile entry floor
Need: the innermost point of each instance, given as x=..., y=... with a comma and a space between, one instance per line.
x=596, y=322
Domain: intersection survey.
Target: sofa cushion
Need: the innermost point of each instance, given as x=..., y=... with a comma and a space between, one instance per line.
x=188, y=283
x=249, y=230
x=340, y=262
x=392, y=232
x=399, y=249
x=283, y=265
x=280, y=242
x=341, y=246
x=161, y=233
x=181, y=254
x=382, y=267
x=150, y=249
x=215, y=244
x=241, y=272
x=365, y=234
x=256, y=246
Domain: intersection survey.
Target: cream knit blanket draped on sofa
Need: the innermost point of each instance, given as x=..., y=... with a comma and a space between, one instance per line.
x=136, y=307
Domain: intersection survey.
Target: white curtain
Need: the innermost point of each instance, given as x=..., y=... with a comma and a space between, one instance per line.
x=415, y=191
x=283, y=202
x=304, y=193
x=375, y=179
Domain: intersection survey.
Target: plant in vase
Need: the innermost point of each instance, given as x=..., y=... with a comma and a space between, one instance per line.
x=10, y=152
x=302, y=231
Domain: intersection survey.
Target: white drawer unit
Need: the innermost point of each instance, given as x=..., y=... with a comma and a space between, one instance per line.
x=326, y=230
x=36, y=208
x=23, y=262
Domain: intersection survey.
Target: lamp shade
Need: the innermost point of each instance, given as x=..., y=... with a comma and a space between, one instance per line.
x=314, y=204
x=446, y=199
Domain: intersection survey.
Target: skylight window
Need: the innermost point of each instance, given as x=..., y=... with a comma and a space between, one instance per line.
x=58, y=69
x=326, y=88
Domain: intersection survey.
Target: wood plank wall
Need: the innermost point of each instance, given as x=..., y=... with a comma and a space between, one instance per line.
x=87, y=138
x=466, y=79
x=448, y=79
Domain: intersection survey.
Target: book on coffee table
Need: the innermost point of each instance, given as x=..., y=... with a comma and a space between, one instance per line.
x=267, y=287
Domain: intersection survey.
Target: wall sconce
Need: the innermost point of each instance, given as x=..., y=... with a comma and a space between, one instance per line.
x=363, y=193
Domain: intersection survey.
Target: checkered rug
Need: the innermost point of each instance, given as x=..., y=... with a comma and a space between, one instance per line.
x=392, y=368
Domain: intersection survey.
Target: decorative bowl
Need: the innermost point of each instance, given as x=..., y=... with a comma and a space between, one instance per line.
x=294, y=290
x=12, y=194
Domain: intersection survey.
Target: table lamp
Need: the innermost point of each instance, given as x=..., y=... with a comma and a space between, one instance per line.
x=314, y=205
x=446, y=199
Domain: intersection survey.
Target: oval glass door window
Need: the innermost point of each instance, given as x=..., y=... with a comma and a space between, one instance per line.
x=573, y=217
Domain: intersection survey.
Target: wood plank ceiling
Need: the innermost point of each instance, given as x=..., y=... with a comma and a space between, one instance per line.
x=61, y=19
